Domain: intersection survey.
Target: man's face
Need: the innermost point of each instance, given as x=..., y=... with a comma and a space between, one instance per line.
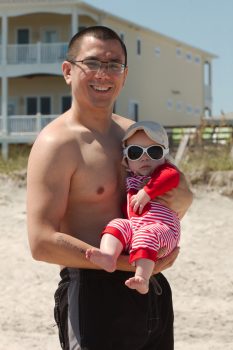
x=98, y=88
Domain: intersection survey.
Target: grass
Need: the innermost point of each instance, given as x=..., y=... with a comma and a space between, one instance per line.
x=207, y=158
x=201, y=158
x=18, y=158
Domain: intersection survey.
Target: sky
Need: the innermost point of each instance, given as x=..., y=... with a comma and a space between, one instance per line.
x=205, y=24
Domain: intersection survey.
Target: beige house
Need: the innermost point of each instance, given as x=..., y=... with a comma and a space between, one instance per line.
x=169, y=81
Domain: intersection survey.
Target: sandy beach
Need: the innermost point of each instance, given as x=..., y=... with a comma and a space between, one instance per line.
x=201, y=279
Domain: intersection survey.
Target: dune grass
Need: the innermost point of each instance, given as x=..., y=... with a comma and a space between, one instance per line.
x=207, y=158
x=17, y=160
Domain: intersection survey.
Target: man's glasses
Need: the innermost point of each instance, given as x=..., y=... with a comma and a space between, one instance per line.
x=95, y=65
x=135, y=152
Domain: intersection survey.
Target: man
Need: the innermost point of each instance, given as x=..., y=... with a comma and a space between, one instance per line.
x=75, y=187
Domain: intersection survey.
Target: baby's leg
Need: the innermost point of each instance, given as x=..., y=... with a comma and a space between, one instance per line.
x=106, y=257
x=140, y=281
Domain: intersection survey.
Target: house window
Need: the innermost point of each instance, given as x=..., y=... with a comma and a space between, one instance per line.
x=189, y=109
x=35, y=105
x=122, y=37
x=65, y=103
x=134, y=111
x=45, y=105
x=31, y=105
x=189, y=56
x=169, y=104
x=138, y=47
x=179, y=106
x=80, y=28
x=197, y=59
x=50, y=36
x=23, y=36
x=157, y=51
x=178, y=52
x=207, y=74
x=197, y=111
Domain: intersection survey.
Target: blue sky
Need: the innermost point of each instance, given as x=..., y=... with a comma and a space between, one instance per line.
x=206, y=24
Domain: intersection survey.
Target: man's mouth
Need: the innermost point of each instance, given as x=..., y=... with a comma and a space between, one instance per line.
x=101, y=88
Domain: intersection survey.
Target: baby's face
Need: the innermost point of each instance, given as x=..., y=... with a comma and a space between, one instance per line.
x=145, y=165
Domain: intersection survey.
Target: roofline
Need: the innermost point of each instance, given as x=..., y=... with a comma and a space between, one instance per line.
x=138, y=27
x=123, y=20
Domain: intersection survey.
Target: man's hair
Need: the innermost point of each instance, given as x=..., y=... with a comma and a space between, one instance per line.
x=98, y=32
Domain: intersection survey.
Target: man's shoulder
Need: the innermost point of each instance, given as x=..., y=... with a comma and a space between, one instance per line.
x=123, y=122
x=55, y=137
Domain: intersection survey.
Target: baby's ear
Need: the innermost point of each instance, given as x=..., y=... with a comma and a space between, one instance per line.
x=124, y=162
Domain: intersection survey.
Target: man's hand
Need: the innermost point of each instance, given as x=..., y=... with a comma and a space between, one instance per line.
x=168, y=261
x=139, y=200
x=178, y=199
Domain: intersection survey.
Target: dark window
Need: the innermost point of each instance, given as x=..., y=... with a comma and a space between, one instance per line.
x=139, y=47
x=66, y=103
x=31, y=105
x=45, y=105
x=136, y=112
x=22, y=36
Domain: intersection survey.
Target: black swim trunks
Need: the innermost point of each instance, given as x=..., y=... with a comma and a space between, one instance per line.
x=94, y=310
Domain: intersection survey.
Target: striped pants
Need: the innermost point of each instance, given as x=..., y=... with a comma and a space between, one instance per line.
x=144, y=235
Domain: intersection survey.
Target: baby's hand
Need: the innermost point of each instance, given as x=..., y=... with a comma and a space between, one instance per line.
x=139, y=200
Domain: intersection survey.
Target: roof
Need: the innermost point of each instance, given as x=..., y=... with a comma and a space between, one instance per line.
x=83, y=4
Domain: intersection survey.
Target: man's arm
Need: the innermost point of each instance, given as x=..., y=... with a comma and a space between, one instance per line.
x=178, y=199
x=48, y=188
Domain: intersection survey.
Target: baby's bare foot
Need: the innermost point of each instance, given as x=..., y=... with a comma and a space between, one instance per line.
x=100, y=259
x=139, y=283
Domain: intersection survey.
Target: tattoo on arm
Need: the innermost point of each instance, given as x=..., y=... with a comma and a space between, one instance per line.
x=62, y=241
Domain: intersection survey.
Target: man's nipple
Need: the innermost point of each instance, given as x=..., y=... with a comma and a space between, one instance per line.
x=100, y=190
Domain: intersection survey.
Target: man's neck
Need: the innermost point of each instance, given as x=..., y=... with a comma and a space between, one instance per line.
x=96, y=119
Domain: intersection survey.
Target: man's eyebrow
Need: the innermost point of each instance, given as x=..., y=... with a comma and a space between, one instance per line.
x=118, y=60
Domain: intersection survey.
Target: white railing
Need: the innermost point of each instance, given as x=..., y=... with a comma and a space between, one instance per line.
x=36, y=53
x=26, y=124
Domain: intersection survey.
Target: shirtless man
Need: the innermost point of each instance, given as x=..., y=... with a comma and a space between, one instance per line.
x=75, y=187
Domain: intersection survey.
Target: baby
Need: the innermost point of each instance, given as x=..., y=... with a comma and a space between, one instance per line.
x=150, y=225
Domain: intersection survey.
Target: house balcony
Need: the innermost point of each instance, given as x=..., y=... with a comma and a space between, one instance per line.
x=24, y=126
x=28, y=58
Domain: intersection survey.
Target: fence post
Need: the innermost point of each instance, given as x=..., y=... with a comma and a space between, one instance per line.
x=38, y=122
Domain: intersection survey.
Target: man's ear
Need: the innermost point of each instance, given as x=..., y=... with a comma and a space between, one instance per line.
x=66, y=69
x=125, y=75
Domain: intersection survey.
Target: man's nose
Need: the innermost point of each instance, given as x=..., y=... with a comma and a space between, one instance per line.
x=103, y=69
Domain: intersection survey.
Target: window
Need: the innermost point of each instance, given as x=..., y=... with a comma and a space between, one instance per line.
x=45, y=105
x=81, y=28
x=50, y=36
x=197, y=111
x=139, y=47
x=189, y=56
x=23, y=36
x=189, y=109
x=197, y=59
x=157, y=51
x=122, y=37
x=35, y=105
x=169, y=104
x=134, y=111
x=207, y=74
x=31, y=105
x=66, y=103
x=178, y=52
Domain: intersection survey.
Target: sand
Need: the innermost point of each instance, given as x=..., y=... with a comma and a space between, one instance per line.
x=201, y=278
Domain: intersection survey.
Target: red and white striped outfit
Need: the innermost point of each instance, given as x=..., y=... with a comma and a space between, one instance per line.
x=143, y=235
